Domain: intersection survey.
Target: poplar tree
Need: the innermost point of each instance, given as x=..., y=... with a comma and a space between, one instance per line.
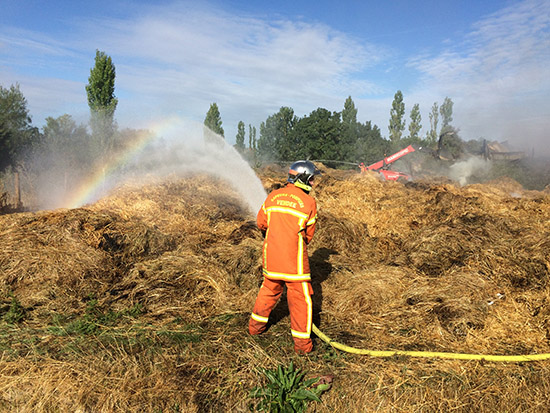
x=446, y=111
x=397, y=123
x=252, y=137
x=239, y=139
x=415, y=125
x=434, y=119
x=349, y=130
x=102, y=102
x=213, y=120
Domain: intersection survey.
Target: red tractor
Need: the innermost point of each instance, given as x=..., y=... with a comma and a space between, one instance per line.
x=382, y=167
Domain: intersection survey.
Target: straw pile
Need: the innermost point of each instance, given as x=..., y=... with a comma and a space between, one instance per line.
x=141, y=300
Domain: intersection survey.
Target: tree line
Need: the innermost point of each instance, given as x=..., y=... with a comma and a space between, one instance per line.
x=336, y=138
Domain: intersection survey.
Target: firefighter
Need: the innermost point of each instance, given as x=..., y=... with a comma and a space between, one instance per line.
x=287, y=220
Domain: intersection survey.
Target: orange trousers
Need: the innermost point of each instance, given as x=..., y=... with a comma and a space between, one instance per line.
x=300, y=307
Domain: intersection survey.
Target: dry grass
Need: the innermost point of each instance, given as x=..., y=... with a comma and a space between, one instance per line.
x=140, y=302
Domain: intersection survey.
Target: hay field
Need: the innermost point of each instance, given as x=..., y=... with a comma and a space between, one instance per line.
x=140, y=302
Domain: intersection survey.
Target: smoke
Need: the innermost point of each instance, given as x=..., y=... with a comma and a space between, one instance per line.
x=462, y=171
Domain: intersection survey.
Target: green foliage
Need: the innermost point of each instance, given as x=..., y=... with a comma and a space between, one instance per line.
x=63, y=131
x=335, y=138
x=370, y=146
x=15, y=313
x=16, y=133
x=286, y=391
x=277, y=135
x=213, y=120
x=90, y=322
x=397, y=123
x=350, y=131
x=101, y=85
x=239, y=139
x=450, y=145
x=64, y=149
x=252, y=137
x=180, y=337
x=415, y=125
x=446, y=111
x=349, y=114
x=317, y=136
x=102, y=102
x=250, y=153
x=93, y=319
x=432, y=135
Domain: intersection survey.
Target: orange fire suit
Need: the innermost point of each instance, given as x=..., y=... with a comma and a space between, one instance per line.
x=288, y=218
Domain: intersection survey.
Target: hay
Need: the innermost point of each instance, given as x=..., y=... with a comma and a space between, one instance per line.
x=421, y=266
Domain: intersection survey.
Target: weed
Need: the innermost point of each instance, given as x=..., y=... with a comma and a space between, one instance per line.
x=179, y=337
x=92, y=320
x=16, y=313
x=330, y=354
x=228, y=318
x=84, y=325
x=286, y=391
x=135, y=311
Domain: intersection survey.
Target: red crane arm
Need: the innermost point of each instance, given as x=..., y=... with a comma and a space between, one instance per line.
x=389, y=159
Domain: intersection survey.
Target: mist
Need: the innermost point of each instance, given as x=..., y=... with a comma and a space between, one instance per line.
x=174, y=147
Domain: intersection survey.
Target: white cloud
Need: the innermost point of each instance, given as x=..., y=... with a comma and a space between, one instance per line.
x=498, y=77
x=180, y=61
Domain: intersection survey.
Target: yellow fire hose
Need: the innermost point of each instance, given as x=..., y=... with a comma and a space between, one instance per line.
x=429, y=354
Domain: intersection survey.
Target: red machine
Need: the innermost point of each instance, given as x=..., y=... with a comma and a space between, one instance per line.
x=383, y=165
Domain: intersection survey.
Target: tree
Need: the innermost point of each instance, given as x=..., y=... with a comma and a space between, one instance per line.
x=397, y=123
x=213, y=120
x=450, y=146
x=317, y=136
x=446, y=111
x=252, y=142
x=349, y=131
x=16, y=132
x=434, y=119
x=63, y=154
x=239, y=139
x=276, y=140
x=370, y=146
x=66, y=142
x=102, y=102
x=415, y=125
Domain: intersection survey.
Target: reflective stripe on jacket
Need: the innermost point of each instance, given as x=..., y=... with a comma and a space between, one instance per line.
x=288, y=216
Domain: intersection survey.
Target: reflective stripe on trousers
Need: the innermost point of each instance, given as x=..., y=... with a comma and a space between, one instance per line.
x=299, y=305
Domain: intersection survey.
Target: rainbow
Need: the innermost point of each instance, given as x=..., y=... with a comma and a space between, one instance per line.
x=92, y=187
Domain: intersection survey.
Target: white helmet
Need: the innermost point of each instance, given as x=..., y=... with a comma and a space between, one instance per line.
x=301, y=173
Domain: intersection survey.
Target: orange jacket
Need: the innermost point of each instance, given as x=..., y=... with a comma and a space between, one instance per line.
x=288, y=216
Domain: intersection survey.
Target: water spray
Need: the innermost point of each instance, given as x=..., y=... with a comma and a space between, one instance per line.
x=172, y=147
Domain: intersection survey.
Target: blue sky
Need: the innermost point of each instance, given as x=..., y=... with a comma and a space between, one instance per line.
x=492, y=58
